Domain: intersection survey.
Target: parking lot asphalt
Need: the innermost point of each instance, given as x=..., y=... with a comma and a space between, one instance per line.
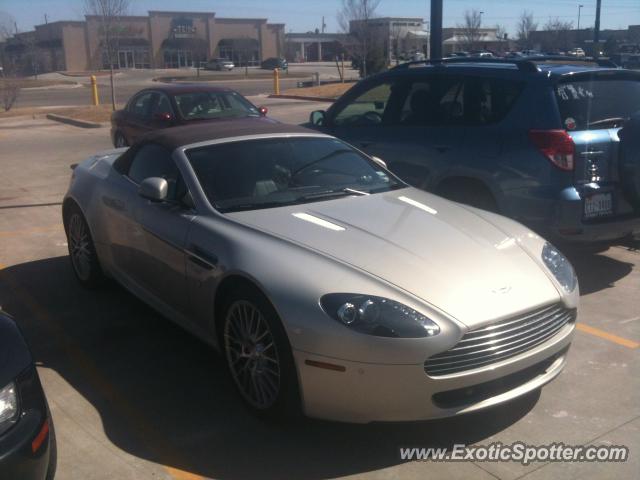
x=134, y=397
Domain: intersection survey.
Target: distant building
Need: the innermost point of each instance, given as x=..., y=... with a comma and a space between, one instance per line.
x=159, y=40
x=314, y=46
x=459, y=40
x=401, y=36
x=552, y=41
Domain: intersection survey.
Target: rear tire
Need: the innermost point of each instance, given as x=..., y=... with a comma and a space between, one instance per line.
x=53, y=452
x=82, y=251
x=258, y=355
x=119, y=141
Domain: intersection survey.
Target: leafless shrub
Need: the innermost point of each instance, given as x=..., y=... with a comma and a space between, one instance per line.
x=9, y=92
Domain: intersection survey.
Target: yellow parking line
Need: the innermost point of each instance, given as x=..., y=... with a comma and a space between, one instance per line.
x=625, y=342
x=99, y=382
x=181, y=474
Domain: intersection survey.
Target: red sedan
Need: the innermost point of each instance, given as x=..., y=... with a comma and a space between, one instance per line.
x=171, y=105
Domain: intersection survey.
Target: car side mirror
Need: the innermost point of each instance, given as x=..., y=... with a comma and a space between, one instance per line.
x=154, y=189
x=380, y=162
x=263, y=111
x=317, y=118
x=163, y=117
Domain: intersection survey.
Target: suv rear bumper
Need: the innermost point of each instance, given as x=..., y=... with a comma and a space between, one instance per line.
x=568, y=222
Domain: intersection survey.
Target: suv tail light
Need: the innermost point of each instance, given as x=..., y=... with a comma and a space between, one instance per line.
x=556, y=145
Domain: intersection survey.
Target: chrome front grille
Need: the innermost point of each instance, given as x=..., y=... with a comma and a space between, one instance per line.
x=500, y=340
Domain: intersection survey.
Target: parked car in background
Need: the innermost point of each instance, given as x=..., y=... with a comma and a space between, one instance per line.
x=541, y=140
x=330, y=286
x=271, y=63
x=177, y=104
x=219, y=64
x=27, y=437
x=482, y=54
x=576, y=52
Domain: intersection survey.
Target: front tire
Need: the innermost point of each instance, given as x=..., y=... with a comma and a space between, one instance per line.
x=119, y=141
x=259, y=357
x=82, y=251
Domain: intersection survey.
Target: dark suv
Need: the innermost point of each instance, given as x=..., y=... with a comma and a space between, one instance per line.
x=551, y=142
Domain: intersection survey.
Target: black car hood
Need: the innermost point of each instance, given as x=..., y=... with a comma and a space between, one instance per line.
x=14, y=353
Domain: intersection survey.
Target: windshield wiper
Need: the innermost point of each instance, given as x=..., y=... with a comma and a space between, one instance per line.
x=252, y=206
x=344, y=192
x=614, y=121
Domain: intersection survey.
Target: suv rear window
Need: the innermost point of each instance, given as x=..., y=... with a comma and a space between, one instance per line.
x=597, y=103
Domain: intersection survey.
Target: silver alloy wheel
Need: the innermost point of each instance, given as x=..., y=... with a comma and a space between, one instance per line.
x=252, y=354
x=79, y=246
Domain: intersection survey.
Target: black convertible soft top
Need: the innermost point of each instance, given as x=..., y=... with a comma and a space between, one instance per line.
x=175, y=137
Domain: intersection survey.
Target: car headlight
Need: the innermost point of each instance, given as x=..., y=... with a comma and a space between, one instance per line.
x=558, y=264
x=8, y=406
x=377, y=316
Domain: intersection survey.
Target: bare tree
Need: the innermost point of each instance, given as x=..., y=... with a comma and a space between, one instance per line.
x=560, y=32
x=110, y=13
x=7, y=25
x=354, y=17
x=9, y=91
x=470, y=29
x=395, y=39
x=524, y=27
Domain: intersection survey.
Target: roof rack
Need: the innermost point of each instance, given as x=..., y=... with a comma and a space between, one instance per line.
x=601, y=62
x=524, y=64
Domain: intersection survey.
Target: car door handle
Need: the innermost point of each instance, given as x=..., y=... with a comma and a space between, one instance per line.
x=442, y=148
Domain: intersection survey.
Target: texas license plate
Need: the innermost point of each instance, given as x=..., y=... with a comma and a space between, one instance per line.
x=598, y=205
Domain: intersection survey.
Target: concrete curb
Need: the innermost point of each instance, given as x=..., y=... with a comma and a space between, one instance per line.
x=73, y=121
x=302, y=97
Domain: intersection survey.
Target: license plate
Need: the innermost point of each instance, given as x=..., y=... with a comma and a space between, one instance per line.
x=598, y=205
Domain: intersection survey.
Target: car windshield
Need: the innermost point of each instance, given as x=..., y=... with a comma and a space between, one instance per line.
x=597, y=103
x=267, y=173
x=210, y=105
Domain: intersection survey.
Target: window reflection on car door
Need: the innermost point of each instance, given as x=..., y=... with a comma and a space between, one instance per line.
x=161, y=229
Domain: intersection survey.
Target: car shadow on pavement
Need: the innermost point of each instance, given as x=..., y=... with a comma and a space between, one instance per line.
x=165, y=396
x=596, y=271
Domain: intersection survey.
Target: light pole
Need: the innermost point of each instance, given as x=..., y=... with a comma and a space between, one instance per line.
x=579, y=9
x=436, y=29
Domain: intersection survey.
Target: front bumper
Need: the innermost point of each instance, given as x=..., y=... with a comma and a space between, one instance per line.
x=18, y=460
x=365, y=392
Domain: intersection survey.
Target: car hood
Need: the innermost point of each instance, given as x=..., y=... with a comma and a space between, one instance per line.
x=432, y=248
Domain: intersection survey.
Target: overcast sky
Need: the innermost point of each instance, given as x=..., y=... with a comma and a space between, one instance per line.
x=305, y=15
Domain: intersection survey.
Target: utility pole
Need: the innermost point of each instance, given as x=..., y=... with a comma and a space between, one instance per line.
x=436, y=29
x=596, y=31
x=324, y=25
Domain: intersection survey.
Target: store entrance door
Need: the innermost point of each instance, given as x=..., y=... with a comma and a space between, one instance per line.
x=125, y=59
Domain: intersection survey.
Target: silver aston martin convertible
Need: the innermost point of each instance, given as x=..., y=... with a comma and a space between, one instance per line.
x=330, y=286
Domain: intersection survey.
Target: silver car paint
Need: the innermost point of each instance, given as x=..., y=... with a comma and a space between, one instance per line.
x=460, y=266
